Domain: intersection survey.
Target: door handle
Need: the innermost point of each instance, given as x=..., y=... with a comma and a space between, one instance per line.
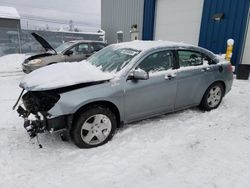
x=205, y=69
x=170, y=76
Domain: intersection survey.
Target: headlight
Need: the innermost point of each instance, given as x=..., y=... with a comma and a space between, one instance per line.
x=35, y=62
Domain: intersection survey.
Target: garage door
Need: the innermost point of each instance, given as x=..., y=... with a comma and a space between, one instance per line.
x=178, y=20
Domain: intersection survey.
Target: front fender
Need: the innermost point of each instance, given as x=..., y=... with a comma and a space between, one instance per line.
x=73, y=100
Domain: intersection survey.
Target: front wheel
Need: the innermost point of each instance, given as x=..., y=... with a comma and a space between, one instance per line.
x=94, y=127
x=213, y=97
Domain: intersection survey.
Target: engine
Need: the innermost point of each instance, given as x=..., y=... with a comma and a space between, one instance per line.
x=39, y=101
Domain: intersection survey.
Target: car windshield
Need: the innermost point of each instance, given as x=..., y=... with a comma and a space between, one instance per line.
x=64, y=46
x=113, y=60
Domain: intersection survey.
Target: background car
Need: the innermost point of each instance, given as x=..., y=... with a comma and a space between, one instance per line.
x=120, y=84
x=67, y=52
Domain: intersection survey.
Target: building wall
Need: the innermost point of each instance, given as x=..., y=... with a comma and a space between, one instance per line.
x=119, y=15
x=178, y=20
x=9, y=23
x=9, y=36
x=215, y=33
x=246, y=55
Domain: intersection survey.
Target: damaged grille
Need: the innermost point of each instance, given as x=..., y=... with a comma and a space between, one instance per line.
x=39, y=101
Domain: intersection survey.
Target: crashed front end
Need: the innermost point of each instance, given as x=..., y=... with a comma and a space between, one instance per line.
x=34, y=110
x=47, y=103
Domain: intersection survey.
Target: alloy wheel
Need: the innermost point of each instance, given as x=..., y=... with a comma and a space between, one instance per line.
x=96, y=129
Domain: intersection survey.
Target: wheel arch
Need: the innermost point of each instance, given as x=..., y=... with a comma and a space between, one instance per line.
x=104, y=103
x=218, y=81
x=222, y=83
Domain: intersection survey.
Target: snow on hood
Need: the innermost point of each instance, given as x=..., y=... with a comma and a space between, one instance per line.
x=63, y=74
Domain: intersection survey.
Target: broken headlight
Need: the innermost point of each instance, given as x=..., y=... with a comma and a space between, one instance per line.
x=39, y=101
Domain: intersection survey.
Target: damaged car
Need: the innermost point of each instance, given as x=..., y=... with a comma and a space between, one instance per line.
x=71, y=51
x=120, y=84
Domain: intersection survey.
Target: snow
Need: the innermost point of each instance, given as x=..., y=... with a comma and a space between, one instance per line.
x=230, y=42
x=189, y=149
x=146, y=45
x=9, y=12
x=63, y=74
x=11, y=64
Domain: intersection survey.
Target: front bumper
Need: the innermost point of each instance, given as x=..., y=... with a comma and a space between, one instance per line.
x=41, y=123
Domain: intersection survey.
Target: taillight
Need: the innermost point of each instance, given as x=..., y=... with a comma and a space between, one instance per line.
x=230, y=67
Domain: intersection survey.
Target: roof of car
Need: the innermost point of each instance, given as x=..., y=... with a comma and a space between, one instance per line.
x=88, y=41
x=151, y=45
x=147, y=45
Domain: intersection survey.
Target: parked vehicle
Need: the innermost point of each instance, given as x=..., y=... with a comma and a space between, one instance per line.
x=120, y=84
x=71, y=51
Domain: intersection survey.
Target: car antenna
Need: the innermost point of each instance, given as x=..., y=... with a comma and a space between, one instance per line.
x=13, y=108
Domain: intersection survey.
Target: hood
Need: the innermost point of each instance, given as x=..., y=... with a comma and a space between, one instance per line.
x=43, y=42
x=62, y=75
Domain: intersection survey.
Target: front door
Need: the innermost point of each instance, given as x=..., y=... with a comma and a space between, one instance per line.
x=80, y=52
x=145, y=98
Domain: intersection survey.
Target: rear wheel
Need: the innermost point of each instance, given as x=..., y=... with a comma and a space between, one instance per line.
x=213, y=97
x=94, y=127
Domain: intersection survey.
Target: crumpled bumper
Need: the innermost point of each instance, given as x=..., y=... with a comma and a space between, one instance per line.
x=40, y=123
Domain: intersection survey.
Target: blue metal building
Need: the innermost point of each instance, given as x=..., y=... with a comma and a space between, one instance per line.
x=207, y=23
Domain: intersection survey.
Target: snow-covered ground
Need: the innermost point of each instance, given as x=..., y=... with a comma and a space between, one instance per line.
x=188, y=149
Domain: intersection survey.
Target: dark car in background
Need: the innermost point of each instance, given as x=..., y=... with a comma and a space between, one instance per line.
x=72, y=51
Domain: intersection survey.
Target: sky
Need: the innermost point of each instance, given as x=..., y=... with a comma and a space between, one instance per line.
x=54, y=14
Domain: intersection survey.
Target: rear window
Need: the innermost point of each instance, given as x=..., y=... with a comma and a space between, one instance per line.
x=189, y=58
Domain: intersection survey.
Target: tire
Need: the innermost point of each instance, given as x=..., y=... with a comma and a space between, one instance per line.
x=212, y=97
x=94, y=127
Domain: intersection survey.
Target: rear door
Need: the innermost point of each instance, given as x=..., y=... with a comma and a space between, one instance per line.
x=193, y=78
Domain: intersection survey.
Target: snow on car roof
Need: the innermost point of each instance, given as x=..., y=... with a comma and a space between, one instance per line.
x=147, y=45
x=9, y=12
x=88, y=41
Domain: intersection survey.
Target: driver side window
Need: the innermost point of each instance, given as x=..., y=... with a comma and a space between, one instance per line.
x=80, y=49
x=156, y=62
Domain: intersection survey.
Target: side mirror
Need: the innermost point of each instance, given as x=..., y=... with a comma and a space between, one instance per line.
x=139, y=74
x=68, y=53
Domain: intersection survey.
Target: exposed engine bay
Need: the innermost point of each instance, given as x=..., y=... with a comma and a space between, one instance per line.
x=36, y=104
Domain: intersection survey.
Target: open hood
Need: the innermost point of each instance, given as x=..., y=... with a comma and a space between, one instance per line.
x=62, y=75
x=43, y=42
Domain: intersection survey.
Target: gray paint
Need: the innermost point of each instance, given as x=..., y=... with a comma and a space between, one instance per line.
x=119, y=15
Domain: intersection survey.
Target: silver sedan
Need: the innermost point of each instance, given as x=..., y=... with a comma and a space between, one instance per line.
x=136, y=80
